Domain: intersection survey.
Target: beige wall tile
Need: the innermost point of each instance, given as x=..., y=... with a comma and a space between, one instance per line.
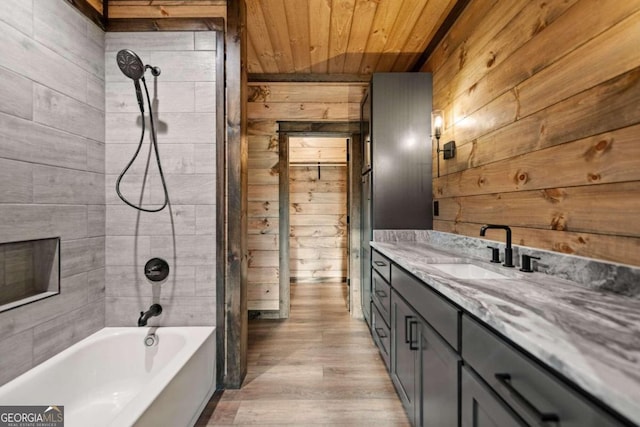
x=31, y=142
x=185, y=128
x=188, y=250
x=73, y=295
x=127, y=250
x=126, y=221
x=27, y=222
x=206, y=219
x=31, y=59
x=96, y=219
x=166, y=97
x=182, y=311
x=130, y=281
x=66, y=186
x=52, y=337
x=205, y=40
x=17, y=355
x=188, y=189
x=82, y=255
x=64, y=30
x=18, y=14
x=175, y=158
x=62, y=112
x=205, y=155
x=205, y=97
x=16, y=181
x=136, y=41
x=15, y=95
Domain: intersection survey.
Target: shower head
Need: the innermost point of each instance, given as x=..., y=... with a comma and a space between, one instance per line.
x=130, y=64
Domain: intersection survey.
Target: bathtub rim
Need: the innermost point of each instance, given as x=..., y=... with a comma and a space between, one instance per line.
x=142, y=401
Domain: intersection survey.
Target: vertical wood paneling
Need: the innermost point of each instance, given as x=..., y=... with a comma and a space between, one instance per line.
x=546, y=121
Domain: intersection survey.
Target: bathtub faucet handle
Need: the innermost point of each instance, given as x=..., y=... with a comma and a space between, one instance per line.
x=154, y=310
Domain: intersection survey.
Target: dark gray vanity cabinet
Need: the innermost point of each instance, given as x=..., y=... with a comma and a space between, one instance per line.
x=424, y=367
x=480, y=407
x=381, y=306
x=439, y=366
x=405, y=362
x=452, y=369
x=523, y=386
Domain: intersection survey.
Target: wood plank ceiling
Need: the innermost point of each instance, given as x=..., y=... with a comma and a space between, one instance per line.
x=347, y=37
x=308, y=39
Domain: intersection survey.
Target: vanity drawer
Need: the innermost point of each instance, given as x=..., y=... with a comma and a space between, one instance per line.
x=441, y=314
x=381, y=295
x=381, y=335
x=526, y=386
x=381, y=264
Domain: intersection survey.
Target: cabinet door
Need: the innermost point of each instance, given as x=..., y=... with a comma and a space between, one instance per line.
x=405, y=354
x=439, y=380
x=481, y=407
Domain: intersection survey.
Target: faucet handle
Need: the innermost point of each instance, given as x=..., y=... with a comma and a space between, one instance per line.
x=495, y=254
x=526, y=263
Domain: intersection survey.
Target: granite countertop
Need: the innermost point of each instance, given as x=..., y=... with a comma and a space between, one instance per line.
x=590, y=337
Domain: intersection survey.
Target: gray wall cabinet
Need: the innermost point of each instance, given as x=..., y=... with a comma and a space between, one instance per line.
x=395, y=127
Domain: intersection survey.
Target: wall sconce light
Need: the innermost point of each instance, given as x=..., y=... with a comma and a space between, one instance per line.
x=449, y=149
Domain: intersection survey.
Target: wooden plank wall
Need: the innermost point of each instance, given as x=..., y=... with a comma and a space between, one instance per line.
x=318, y=209
x=269, y=103
x=543, y=101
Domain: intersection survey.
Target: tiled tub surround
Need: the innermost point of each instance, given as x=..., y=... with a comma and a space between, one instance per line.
x=589, y=336
x=52, y=170
x=183, y=234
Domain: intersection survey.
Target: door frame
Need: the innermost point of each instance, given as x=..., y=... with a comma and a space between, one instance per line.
x=351, y=132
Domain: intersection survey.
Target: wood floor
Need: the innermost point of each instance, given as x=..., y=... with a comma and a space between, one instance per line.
x=319, y=367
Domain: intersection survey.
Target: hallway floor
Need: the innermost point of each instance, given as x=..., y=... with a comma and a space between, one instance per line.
x=319, y=367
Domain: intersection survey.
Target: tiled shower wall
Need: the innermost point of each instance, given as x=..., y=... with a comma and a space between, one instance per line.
x=183, y=235
x=52, y=170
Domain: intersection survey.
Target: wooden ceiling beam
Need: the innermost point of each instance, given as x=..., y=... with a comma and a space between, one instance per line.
x=442, y=31
x=166, y=24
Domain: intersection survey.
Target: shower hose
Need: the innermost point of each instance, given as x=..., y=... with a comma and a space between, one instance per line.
x=154, y=143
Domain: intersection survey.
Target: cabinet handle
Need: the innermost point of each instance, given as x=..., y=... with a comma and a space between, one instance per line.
x=542, y=417
x=380, y=333
x=411, y=347
x=407, y=328
x=380, y=263
x=381, y=294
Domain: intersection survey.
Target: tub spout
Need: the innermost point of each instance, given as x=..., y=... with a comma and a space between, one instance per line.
x=154, y=310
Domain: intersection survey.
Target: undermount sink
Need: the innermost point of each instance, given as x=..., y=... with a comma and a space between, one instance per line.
x=468, y=271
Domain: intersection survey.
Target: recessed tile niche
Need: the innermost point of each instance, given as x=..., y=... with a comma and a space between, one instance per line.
x=29, y=271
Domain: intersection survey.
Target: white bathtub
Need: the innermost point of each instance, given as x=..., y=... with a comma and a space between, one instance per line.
x=112, y=379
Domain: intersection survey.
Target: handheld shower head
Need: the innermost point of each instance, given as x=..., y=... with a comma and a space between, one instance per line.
x=130, y=64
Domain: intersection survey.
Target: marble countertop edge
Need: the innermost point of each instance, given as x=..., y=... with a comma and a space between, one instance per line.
x=551, y=344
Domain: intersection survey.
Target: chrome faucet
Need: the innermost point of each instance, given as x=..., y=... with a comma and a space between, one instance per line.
x=508, y=251
x=154, y=310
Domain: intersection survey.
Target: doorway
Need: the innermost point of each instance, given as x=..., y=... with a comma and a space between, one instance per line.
x=317, y=201
x=318, y=219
